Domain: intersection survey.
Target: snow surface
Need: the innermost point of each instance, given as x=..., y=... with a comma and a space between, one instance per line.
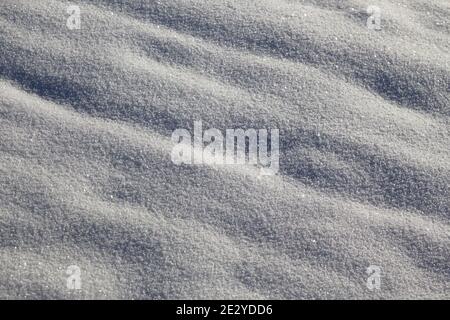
x=86, y=177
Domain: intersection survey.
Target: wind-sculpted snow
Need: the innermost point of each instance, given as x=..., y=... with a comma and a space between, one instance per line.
x=87, y=179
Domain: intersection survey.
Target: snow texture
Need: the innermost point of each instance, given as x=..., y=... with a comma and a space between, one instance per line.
x=86, y=177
